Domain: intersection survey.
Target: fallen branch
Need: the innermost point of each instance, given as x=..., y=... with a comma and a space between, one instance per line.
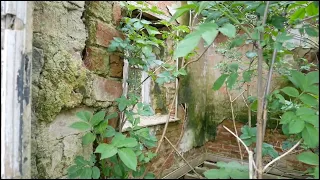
x=183, y=158
x=279, y=157
x=250, y=154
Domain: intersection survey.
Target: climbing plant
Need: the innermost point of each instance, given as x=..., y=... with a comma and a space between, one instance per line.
x=129, y=152
x=269, y=28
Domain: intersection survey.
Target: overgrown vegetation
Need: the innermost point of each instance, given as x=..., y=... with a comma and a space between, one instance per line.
x=267, y=27
x=128, y=153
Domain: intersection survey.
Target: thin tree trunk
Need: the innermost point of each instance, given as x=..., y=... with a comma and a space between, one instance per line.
x=260, y=102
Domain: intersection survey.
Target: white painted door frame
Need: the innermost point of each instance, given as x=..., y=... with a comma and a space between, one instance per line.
x=16, y=48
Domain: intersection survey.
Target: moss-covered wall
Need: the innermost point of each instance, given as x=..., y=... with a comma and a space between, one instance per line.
x=208, y=108
x=70, y=39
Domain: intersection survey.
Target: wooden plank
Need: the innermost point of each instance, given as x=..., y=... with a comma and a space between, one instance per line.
x=201, y=170
x=210, y=165
x=190, y=176
x=15, y=91
x=176, y=174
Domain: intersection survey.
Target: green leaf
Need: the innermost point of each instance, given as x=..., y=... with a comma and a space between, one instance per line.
x=209, y=32
x=278, y=21
x=182, y=71
x=260, y=10
x=304, y=111
x=236, y=174
x=285, y=129
x=229, y=30
x=310, y=136
x=233, y=67
x=86, y=173
x=314, y=89
x=287, y=117
x=247, y=75
x=188, y=44
x=216, y=174
x=149, y=176
x=92, y=160
x=152, y=30
x=202, y=6
x=88, y=138
x=138, y=25
x=84, y=115
x=308, y=99
x=313, y=77
x=299, y=78
x=282, y=37
x=312, y=32
x=232, y=80
x=251, y=54
x=74, y=171
x=110, y=131
x=106, y=150
x=232, y=165
x=98, y=117
x=128, y=157
x=80, y=161
x=312, y=10
x=127, y=142
x=309, y=158
x=237, y=42
x=82, y=126
x=95, y=172
x=210, y=36
x=290, y=91
x=281, y=98
x=219, y=82
x=181, y=10
x=117, y=138
x=296, y=126
x=316, y=170
x=101, y=127
x=298, y=14
x=311, y=118
x=255, y=35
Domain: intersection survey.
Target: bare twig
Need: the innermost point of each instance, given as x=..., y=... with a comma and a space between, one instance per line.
x=238, y=96
x=265, y=103
x=177, y=143
x=183, y=158
x=279, y=157
x=167, y=122
x=199, y=56
x=234, y=123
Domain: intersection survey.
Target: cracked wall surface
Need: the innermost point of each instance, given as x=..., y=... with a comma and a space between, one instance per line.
x=62, y=81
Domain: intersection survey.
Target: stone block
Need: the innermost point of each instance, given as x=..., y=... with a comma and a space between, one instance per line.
x=116, y=13
x=105, y=34
x=106, y=89
x=101, y=10
x=97, y=60
x=116, y=66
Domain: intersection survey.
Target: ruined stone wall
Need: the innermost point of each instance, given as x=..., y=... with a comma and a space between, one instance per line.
x=72, y=71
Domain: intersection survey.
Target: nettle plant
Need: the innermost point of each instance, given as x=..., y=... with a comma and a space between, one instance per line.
x=270, y=28
x=128, y=153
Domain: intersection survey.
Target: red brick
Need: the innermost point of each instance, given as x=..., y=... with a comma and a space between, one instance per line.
x=105, y=34
x=97, y=60
x=116, y=66
x=116, y=12
x=106, y=89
